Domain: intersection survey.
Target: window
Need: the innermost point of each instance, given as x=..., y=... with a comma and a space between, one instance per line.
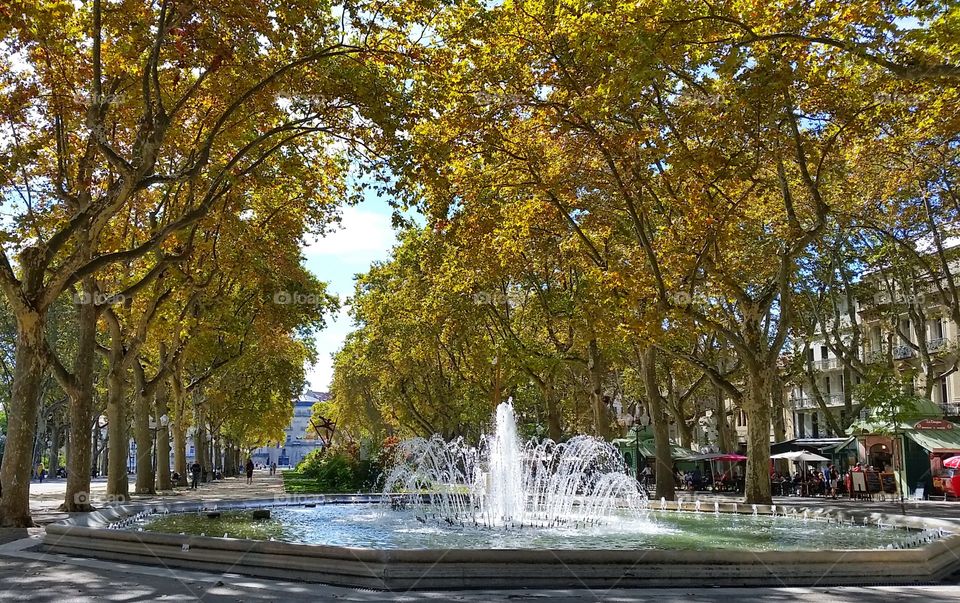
x=824, y=352
x=826, y=385
x=943, y=390
x=816, y=424
x=800, y=422
x=810, y=354
x=938, y=328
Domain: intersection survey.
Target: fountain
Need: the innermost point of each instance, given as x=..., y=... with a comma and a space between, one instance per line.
x=506, y=483
x=508, y=513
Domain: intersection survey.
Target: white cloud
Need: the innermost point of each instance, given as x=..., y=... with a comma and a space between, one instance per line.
x=363, y=235
x=328, y=341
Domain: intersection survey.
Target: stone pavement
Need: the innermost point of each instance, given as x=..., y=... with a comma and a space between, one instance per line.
x=66, y=580
x=45, y=498
x=29, y=575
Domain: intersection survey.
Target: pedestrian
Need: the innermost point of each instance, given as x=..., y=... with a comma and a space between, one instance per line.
x=195, y=470
x=273, y=468
x=834, y=481
x=249, y=469
x=41, y=472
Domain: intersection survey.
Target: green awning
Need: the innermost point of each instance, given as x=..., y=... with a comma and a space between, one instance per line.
x=936, y=440
x=647, y=449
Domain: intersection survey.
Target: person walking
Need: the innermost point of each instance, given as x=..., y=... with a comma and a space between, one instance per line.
x=646, y=475
x=195, y=470
x=273, y=468
x=41, y=472
x=249, y=468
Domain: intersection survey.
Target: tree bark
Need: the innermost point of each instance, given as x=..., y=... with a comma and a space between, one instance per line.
x=179, y=430
x=199, y=441
x=142, y=435
x=180, y=453
x=661, y=424
x=22, y=421
x=55, y=444
x=117, y=441
x=554, y=425
x=601, y=422
x=163, y=438
x=757, y=406
x=77, y=495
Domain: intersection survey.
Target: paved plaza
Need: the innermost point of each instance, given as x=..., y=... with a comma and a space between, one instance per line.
x=27, y=574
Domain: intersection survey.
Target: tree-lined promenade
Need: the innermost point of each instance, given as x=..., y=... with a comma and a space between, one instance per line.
x=651, y=202
x=161, y=166
x=659, y=204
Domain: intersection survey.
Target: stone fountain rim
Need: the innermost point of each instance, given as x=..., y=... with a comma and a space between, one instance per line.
x=100, y=518
x=407, y=569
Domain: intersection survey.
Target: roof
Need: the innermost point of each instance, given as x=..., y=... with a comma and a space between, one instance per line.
x=939, y=440
x=821, y=444
x=312, y=396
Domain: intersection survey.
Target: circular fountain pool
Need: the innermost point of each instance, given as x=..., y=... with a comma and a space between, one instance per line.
x=509, y=513
x=369, y=526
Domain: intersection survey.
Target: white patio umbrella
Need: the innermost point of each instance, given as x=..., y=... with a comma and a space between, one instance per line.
x=800, y=456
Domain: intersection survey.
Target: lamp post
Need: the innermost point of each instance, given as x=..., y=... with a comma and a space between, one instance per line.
x=634, y=425
x=640, y=423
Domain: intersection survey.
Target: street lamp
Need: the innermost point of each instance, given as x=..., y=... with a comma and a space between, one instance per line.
x=636, y=424
x=640, y=424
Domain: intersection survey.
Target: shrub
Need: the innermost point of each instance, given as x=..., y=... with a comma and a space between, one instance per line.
x=332, y=471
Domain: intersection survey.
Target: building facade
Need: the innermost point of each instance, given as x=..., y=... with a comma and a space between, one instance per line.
x=300, y=438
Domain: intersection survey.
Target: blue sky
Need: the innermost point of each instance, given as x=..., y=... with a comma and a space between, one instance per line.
x=365, y=235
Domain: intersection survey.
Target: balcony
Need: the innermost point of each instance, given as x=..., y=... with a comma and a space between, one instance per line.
x=950, y=409
x=798, y=403
x=902, y=352
x=809, y=402
x=872, y=356
x=827, y=364
x=939, y=344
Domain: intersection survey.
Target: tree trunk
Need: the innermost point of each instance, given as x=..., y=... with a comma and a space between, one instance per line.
x=199, y=442
x=55, y=444
x=554, y=426
x=163, y=438
x=22, y=422
x=117, y=440
x=142, y=436
x=601, y=422
x=77, y=496
x=179, y=431
x=229, y=467
x=180, y=453
x=757, y=407
x=684, y=431
x=660, y=423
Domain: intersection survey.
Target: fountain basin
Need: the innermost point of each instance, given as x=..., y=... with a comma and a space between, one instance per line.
x=453, y=568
